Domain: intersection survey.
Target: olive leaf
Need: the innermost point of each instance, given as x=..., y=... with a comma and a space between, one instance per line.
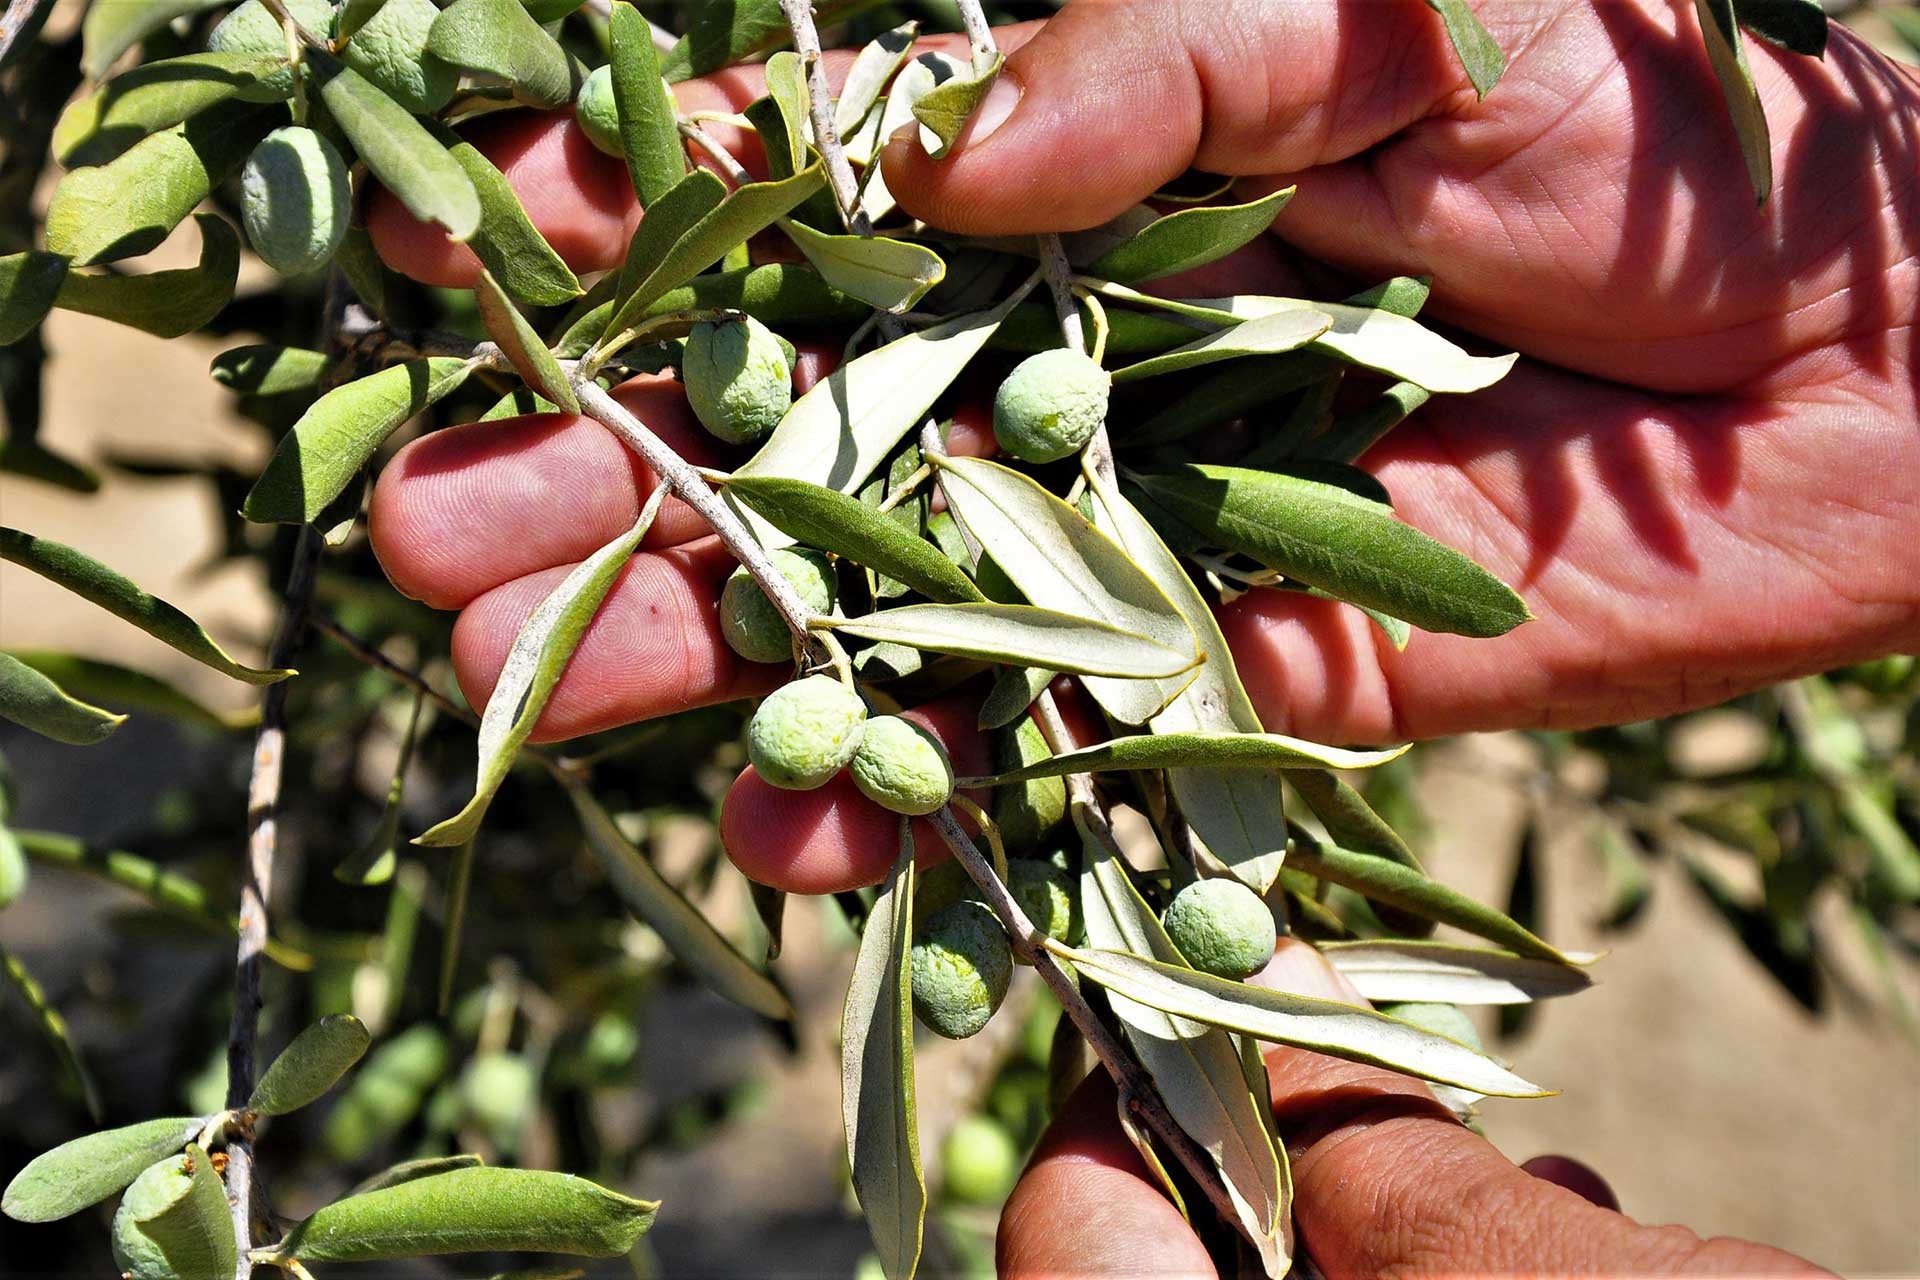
x=171, y=892
x=407, y=159
x=889, y=274
x=353, y=15
x=849, y=422
x=1305, y=1022
x=1382, y=339
x=943, y=111
x=714, y=227
x=111, y=29
x=364, y=270
x=506, y=241
x=1327, y=537
x=786, y=80
x=154, y=96
x=312, y=1064
x=1236, y=816
x=1358, y=430
x=97, y=584
x=1197, y=1068
x=107, y=682
x=1060, y=561
x=829, y=520
x=410, y=1170
x=867, y=78
x=689, y=935
x=775, y=294
x=373, y=863
x=1189, y=238
x=1023, y=634
x=130, y=204
x=88, y=1169
x=166, y=304
x=1196, y=749
x=339, y=432
x=1396, y=969
x=719, y=35
x=32, y=701
x=193, y=1233
x=1720, y=28
x=649, y=127
x=1014, y=690
x=876, y=1074
x=29, y=282
x=916, y=80
x=1411, y=891
x=499, y=38
x=1348, y=818
x=1476, y=49
x=60, y=1040
x=541, y=651
x=268, y=369
x=1797, y=25
x=1267, y=335
x=473, y=1210
x=521, y=345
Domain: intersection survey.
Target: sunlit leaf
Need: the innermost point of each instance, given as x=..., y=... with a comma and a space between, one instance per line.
x=521, y=345
x=1189, y=238
x=154, y=96
x=110, y=684
x=506, y=241
x=501, y=39
x=1194, y=749
x=889, y=274
x=867, y=79
x=312, y=1064
x=1023, y=634
x=409, y=1170
x=1476, y=49
x=719, y=35
x=1268, y=335
x=111, y=29
x=194, y=1233
x=1392, y=969
x=649, y=128
x=828, y=520
x=166, y=304
x=1720, y=29
x=267, y=369
x=408, y=160
x=944, y=110
x=87, y=1170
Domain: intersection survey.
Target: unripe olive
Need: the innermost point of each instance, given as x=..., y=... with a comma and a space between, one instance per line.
x=1221, y=927
x=294, y=200
x=752, y=627
x=805, y=732
x=981, y=1161
x=1046, y=893
x=159, y=1187
x=1050, y=405
x=597, y=113
x=739, y=379
x=1442, y=1019
x=1027, y=811
x=391, y=52
x=902, y=767
x=961, y=966
x=252, y=28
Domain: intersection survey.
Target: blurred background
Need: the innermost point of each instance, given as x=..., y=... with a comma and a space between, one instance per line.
x=1749, y=1063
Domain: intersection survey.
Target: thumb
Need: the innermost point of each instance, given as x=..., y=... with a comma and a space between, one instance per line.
x=1113, y=98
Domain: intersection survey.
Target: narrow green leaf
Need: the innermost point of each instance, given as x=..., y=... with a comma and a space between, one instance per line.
x=312, y=1064
x=1477, y=51
x=29, y=282
x=130, y=204
x=889, y=274
x=97, y=584
x=1403, y=887
x=87, y=1170
x=1020, y=634
x=355, y=14
x=1189, y=238
x=828, y=520
x=1348, y=818
x=171, y=892
x=521, y=345
x=499, y=38
x=411, y=1170
x=476, y=1210
x=1721, y=32
x=776, y=294
x=944, y=110
x=1348, y=546
x=166, y=304
x=267, y=369
x=336, y=436
x=719, y=35
x=149, y=98
x=786, y=81
x=649, y=126
x=876, y=1074
x=741, y=215
x=506, y=241
x=689, y=935
x=1236, y=815
x=851, y=420
x=1355, y=432
x=1402, y=295
x=111, y=29
x=1268, y=335
x=1305, y=1022
x=194, y=1233
x=1193, y=749
x=867, y=79
x=1197, y=1068
x=407, y=159
x=110, y=683
x=1447, y=973
x=54, y=1028
x=539, y=656
x=1060, y=561
x=374, y=862
x=1014, y=690
x=668, y=221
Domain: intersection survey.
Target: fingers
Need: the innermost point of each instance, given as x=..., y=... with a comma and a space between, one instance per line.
x=1111, y=100
x=654, y=647
x=834, y=838
x=459, y=512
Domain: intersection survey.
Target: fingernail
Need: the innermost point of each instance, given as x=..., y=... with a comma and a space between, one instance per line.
x=994, y=108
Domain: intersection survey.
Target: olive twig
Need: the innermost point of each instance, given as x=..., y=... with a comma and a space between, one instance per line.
x=806, y=42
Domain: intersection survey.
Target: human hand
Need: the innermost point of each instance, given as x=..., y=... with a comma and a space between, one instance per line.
x=1688, y=481
x=1385, y=1182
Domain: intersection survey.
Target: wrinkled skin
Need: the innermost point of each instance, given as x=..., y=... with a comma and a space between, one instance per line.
x=1698, y=477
